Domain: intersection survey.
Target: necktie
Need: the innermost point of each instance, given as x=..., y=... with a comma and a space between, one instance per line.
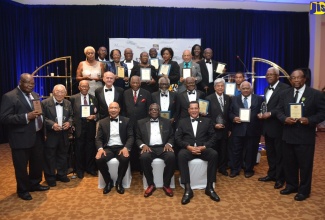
x=114, y=119
x=271, y=88
x=163, y=94
x=153, y=120
x=245, y=102
x=221, y=103
x=195, y=119
x=208, y=61
x=38, y=120
x=59, y=103
x=296, y=96
x=191, y=92
x=186, y=65
x=85, y=100
x=106, y=90
x=135, y=97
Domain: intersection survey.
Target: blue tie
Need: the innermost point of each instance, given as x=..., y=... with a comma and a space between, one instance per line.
x=245, y=102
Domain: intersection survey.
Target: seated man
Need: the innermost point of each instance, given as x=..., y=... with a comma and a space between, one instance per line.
x=114, y=139
x=197, y=138
x=155, y=138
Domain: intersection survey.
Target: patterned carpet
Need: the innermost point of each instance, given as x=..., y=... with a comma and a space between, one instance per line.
x=241, y=198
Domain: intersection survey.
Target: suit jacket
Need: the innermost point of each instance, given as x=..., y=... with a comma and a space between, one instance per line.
x=215, y=110
x=77, y=120
x=205, y=135
x=49, y=112
x=183, y=102
x=196, y=72
x=14, y=108
x=205, y=73
x=313, y=109
x=119, y=82
x=136, y=71
x=172, y=101
x=173, y=72
x=143, y=132
x=125, y=130
x=272, y=126
x=252, y=128
x=102, y=105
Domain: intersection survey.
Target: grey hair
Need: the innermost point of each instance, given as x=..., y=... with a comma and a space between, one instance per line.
x=219, y=80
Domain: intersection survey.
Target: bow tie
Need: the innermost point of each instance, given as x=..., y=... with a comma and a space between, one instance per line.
x=191, y=92
x=163, y=94
x=114, y=119
x=128, y=61
x=271, y=88
x=195, y=119
x=108, y=89
x=153, y=120
x=208, y=62
x=59, y=103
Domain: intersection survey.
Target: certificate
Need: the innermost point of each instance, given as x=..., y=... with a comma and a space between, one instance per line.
x=220, y=67
x=187, y=72
x=245, y=114
x=165, y=114
x=204, y=106
x=155, y=62
x=164, y=70
x=37, y=106
x=230, y=89
x=85, y=111
x=145, y=74
x=120, y=71
x=296, y=110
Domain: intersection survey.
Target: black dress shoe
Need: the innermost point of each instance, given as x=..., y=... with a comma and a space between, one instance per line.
x=119, y=188
x=212, y=194
x=223, y=172
x=287, y=191
x=25, y=196
x=301, y=197
x=93, y=173
x=51, y=184
x=278, y=184
x=39, y=188
x=188, y=195
x=249, y=174
x=233, y=174
x=108, y=187
x=63, y=179
x=80, y=174
x=266, y=179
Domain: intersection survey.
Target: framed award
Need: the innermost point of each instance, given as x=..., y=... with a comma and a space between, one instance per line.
x=204, y=106
x=145, y=74
x=245, y=114
x=296, y=110
x=187, y=72
x=220, y=67
x=165, y=114
x=37, y=105
x=85, y=111
x=120, y=71
x=230, y=89
x=155, y=62
x=164, y=70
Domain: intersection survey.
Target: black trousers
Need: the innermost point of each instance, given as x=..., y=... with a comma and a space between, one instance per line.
x=221, y=148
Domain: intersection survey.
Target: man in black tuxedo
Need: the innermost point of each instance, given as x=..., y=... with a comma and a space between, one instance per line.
x=26, y=137
x=114, y=139
x=85, y=130
x=155, y=138
x=58, y=120
x=102, y=53
x=218, y=112
x=299, y=134
x=245, y=135
x=107, y=94
x=196, y=138
x=272, y=128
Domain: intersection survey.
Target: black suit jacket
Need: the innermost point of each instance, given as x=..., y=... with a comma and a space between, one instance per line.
x=272, y=126
x=14, y=108
x=136, y=71
x=183, y=102
x=172, y=101
x=314, y=109
x=125, y=130
x=102, y=105
x=205, y=135
x=215, y=110
x=205, y=73
x=174, y=72
x=252, y=128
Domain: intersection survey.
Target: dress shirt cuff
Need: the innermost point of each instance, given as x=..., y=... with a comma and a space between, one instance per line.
x=26, y=115
x=100, y=149
x=141, y=146
x=170, y=145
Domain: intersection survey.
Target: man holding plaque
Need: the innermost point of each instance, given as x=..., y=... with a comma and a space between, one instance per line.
x=299, y=132
x=218, y=112
x=154, y=60
x=84, y=107
x=246, y=129
x=188, y=69
x=130, y=63
x=25, y=134
x=272, y=128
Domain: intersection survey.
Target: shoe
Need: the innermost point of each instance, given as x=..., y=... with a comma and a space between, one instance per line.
x=25, y=196
x=119, y=188
x=278, y=184
x=233, y=174
x=188, y=195
x=249, y=174
x=266, y=179
x=168, y=191
x=223, y=172
x=51, y=184
x=39, y=188
x=212, y=194
x=80, y=174
x=149, y=190
x=108, y=187
x=287, y=191
x=63, y=179
x=301, y=197
x=93, y=173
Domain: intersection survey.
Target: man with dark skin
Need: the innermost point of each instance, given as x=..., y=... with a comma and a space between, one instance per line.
x=102, y=53
x=239, y=78
x=153, y=53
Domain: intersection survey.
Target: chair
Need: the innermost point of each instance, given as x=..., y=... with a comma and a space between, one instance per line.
x=113, y=168
x=158, y=166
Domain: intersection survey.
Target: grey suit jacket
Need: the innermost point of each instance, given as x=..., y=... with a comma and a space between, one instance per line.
x=196, y=72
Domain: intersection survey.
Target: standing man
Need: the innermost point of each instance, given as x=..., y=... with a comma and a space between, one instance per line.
x=102, y=53
x=299, y=134
x=273, y=128
x=107, y=94
x=85, y=128
x=130, y=63
x=155, y=138
x=153, y=55
x=239, y=78
x=245, y=134
x=26, y=137
x=58, y=119
x=114, y=139
x=196, y=138
x=219, y=104
x=194, y=69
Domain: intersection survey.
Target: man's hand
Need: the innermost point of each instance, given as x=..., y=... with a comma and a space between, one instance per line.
x=194, y=150
x=66, y=125
x=237, y=120
x=219, y=126
x=91, y=117
x=290, y=121
x=124, y=152
x=168, y=148
x=145, y=148
x=32, y=115
x=100, y=153
x=56, y=127
x=303, y=121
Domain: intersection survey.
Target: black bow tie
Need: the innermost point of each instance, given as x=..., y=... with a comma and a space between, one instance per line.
x=114, y=119
x=153, y=120
x=108, y=89
x=128, y=61
x=191, y=92
x=271, y=88
x=208, y=62
x=163, y=94
x=195, y=119
x=59, y=103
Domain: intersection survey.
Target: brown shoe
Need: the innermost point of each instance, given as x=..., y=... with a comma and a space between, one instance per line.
x=149, y=190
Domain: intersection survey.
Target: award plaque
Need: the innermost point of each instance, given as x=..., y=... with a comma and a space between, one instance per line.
x=230, y=89
x=85, y=111
x=120, y=71
x=204, y=106
x=37, y=105
x=145, y=74
x=296, y=110
x=219, y=119
x=220, y=67
x=165, y=114
x=155, y=62
x=263, y=108
x=245, y=114
x=187, y=73
x=164, y=70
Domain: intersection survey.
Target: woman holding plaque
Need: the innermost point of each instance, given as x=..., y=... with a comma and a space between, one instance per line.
x=147, y=73
x=91, y=70
x=118, y=68
x=169, y=68
x=197, y=53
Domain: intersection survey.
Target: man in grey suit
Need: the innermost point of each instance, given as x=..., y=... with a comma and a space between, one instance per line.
x=188, y=66
x=25, y=133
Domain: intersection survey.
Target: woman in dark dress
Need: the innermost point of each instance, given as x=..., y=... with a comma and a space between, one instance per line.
x=167, y=54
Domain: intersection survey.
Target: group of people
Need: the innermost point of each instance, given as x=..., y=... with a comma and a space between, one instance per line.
x=122, y=119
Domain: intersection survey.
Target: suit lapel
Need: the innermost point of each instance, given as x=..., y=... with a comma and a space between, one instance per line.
x=21, y=97
x=186, y=97
x=148, y=131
